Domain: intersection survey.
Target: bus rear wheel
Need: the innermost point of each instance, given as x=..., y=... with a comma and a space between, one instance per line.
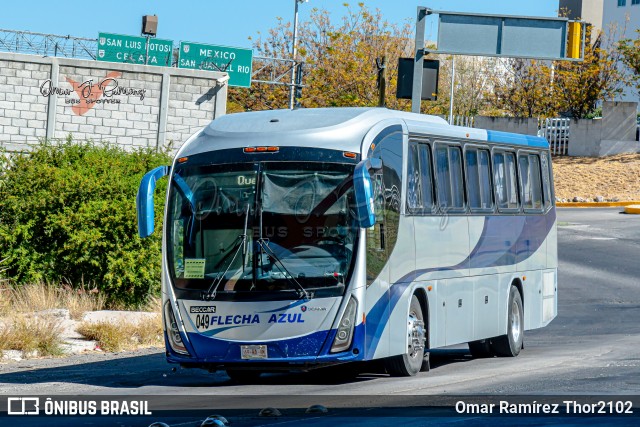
x=410, y=363
x=509, y=345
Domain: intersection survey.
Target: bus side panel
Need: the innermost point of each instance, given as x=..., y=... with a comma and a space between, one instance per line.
x=442, y=247
x=402, y=264
x=437, y=316
x=530, y=246
x=532, y=298
x=377, y=316
x=458, y=310
x=552, y=239
x=486, y=305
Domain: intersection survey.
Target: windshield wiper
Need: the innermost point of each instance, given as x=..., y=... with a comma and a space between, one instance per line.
x=241, y=242
x=264, y=245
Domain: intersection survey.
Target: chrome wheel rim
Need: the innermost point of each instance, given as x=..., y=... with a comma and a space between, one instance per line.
x=515, y=322
x=416, y=335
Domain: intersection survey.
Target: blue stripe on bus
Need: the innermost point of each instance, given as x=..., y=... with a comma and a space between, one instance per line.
x=314, y=347
x=517, y=139
x=286, y=307
x=492, y=250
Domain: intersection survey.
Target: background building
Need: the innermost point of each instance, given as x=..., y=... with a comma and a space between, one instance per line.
x=590, y=11
x=606, y=14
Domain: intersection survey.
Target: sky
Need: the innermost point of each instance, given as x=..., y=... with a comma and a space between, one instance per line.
x=222, y=22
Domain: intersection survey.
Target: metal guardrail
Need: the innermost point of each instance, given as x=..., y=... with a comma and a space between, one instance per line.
x=466, y=121
x=556, y=131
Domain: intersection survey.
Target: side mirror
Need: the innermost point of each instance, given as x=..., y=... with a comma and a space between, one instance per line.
x=364, y=192
x=144, y=200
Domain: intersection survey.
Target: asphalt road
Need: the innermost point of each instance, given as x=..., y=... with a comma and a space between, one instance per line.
x=592, y=347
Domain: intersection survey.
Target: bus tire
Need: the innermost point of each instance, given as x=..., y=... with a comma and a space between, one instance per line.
x=481, y=349
x=242, y=376
x=509, y=345
x=410, y=363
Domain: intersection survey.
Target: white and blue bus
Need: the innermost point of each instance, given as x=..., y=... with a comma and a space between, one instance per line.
x=303, y=238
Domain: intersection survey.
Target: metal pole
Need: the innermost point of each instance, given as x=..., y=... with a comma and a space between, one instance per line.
x=416, y=92
x=382, y=80
x=146, y=56
x=292, y=87
x=453, y=83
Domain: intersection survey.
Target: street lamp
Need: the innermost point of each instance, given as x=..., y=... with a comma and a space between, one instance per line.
x=292, y=87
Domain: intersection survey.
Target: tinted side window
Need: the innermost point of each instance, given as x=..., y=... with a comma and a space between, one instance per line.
x=427, y=177
x=527, y=201
x=546, y=180
x=478, y=179
x=419, y=180
x=450, y=185
x=414, y=181
x=530, y=179
x=504, y=178
x=381, y=238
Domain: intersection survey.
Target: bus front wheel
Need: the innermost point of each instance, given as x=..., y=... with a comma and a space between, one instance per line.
x=509, y=345
x=410, y=363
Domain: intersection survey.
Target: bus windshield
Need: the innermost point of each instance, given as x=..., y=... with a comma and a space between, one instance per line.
x=239, y=230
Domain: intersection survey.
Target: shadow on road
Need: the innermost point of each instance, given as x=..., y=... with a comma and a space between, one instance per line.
x=152, y=370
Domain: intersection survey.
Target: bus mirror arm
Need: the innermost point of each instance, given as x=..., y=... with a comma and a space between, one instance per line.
x=363, y=188
x=144, y=200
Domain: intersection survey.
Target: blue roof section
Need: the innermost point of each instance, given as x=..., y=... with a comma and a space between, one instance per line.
x=517, y=139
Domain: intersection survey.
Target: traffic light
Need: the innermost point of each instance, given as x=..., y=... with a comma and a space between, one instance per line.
x=575, y=40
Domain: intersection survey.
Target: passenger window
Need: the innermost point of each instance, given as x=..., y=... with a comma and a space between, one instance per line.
x=414, y=182
x=546, y=180
x=478, y=179
x=504, y=178
x=419, y=181
x=531, y=182
x=427, y=177
x=450, y=186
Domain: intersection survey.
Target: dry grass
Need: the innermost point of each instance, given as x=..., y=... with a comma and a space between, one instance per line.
x=112, y=336
x=41, y=296
x=40, y=335
x=612, y=177
x=153, y=304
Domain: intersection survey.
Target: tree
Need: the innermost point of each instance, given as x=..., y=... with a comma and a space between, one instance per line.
x=580, y=86
x=521, y=87
x=472, y=81
x=339, y=61
x=630, y=51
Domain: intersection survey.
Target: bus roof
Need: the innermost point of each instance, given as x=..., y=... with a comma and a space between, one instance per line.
x=339, y=128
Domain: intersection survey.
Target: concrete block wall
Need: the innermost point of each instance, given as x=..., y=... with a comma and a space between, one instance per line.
x=615, y=133
x=190, y=102
x=585, y=137
x=619, y=121
x=129, y=105
x=23, y=111
x=527, y=126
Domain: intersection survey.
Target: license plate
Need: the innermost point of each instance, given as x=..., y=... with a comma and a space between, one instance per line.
x=253, y=351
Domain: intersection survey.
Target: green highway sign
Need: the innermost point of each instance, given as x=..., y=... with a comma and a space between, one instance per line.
x=133, y=49
x=233, y=60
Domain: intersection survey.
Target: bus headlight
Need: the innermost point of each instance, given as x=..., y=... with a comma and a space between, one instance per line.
x=344, y=336
x=173, y=333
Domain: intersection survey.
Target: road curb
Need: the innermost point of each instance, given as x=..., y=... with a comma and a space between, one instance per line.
x=632, y=209
x=596, y=204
